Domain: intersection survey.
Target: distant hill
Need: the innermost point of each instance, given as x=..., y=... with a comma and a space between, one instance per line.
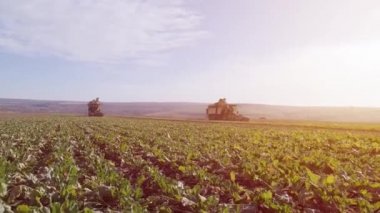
x=338, y=114
x=182, y=110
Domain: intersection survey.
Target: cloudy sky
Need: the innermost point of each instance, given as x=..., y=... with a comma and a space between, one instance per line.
x=295, y=52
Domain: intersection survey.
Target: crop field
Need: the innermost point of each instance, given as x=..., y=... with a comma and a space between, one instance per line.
x=80, y=164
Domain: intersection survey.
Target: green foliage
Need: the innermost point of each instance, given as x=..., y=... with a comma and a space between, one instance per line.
x=314, y=178
x=330, y=179
x=23, y=209
x=266, y=196
x=142, y=165
x=232, y=176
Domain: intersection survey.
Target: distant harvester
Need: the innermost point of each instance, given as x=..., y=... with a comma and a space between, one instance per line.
x=223, y=111
x=94, y=108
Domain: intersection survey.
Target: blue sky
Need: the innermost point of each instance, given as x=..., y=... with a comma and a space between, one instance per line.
x=296, y=52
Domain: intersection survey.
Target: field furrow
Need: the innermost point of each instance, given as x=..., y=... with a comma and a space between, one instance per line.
x=115, y=165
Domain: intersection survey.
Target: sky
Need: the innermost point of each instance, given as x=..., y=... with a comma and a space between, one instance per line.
x=294, y=52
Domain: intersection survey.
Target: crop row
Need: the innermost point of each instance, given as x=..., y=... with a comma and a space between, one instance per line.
x=80, y=164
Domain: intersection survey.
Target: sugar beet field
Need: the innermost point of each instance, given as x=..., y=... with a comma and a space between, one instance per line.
x=79, y=164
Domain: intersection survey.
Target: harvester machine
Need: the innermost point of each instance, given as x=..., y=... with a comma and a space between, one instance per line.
x=94, y=108
x=221, y=110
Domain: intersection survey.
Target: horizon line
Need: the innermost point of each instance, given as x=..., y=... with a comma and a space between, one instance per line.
x=195, y=102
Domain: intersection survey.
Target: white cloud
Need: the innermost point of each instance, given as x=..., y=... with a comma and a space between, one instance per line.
x=96, y=30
